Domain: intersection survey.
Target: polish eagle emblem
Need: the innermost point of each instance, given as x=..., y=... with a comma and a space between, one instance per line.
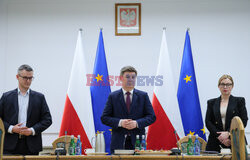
x=128, y=17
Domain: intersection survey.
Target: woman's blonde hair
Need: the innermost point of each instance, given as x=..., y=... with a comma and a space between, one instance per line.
x=225, y=76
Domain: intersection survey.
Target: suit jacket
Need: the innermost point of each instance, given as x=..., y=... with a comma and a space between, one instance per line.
x=236, y=107
x=115, y=109
x=38, y=117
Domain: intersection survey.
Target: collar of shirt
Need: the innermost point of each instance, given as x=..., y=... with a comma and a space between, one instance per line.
x=19, y=92
x=124, y=91
x=125, y=95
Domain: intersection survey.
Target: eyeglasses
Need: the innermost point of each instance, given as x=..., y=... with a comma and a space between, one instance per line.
x=226, y=84
x=132, y=76
x=27, y=78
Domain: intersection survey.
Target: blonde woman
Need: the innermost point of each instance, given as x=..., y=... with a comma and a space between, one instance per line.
x=220, y=112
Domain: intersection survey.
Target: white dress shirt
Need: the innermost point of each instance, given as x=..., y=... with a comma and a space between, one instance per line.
x=23, y=103
x=125, y=97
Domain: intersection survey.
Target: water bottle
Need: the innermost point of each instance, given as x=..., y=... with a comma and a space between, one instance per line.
x=72, y=146
x=197, y=148
x=137, y=143
x=78, y=146
x=190, y=148
x=143, y=143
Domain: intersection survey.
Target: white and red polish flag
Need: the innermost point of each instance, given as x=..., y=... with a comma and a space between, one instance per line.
x=78, y=115
x=161, y=134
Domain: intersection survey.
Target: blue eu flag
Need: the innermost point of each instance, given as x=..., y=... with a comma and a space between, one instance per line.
x=100, y=90
x=187, y=95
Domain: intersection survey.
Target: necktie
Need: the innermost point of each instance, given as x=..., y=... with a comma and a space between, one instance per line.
x=128, y=101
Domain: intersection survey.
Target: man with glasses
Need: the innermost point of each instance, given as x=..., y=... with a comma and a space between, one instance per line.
x=25, y=114
x=128, y=111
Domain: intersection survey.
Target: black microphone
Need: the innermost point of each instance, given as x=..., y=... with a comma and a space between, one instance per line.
x=174, y=150
x=175, y=133
x=60, y=151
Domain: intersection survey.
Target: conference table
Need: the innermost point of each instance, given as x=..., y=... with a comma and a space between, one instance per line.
x=119, y=157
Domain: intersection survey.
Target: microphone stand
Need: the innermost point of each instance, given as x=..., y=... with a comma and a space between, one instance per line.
x=57, y=156
x=65, y=142
x=177, y=151
x=177, y=144
x=176, y=139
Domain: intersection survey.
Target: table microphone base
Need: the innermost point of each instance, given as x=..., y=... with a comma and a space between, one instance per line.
x=175, y=151
x=60, y=151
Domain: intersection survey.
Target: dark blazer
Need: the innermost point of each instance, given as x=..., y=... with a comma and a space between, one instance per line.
x=236, y=107
x=115, y=109
x=38, y=117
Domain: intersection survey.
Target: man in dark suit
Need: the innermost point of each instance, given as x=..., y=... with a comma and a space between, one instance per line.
x=25, y=114
x=128, y=111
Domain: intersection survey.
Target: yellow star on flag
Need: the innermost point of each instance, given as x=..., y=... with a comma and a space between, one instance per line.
x=191, y=133
x=188, y=78
x=99, y=78
x=203, y=129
